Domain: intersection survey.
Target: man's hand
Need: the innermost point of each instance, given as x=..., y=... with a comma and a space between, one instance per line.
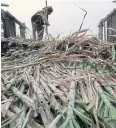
x=47, y=24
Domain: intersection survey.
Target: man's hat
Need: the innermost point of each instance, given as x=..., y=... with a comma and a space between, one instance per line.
x=49, y=8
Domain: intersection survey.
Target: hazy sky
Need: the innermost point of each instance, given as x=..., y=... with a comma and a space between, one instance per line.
x=66, y=16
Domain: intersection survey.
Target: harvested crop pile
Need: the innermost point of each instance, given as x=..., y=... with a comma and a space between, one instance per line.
x=69, y=83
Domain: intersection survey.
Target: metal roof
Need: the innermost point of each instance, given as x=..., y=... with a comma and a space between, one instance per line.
x=108, y=16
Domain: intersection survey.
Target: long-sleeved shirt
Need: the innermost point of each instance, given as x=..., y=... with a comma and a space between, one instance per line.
x=39, y=18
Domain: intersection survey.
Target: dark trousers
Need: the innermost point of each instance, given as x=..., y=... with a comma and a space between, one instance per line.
x=40, y=30
x=4, y=46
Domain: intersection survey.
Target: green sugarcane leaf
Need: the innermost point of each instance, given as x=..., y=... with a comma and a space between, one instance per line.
x=103, y=124
x=106, y=111
x=107, y=125
x=61, y=121
x=28, y=126
x=110, y=97
x=101, y=111
x=71, y=124
x=79, y=109
x=75, y=123
x=64, y=124
x=110, y=85
x=113, y=53
x=100, y=104
x=112, y=122
x=93, y=125
x=112, y=113
x=57, y=107
x=83, y=117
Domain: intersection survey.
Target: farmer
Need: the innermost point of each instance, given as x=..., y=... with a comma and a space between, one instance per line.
x=38, y=20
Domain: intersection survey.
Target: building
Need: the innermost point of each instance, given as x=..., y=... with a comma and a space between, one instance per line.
x=9, y=23
x=107, y=27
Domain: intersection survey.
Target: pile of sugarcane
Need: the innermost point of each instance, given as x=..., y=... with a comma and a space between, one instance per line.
x=68, y=83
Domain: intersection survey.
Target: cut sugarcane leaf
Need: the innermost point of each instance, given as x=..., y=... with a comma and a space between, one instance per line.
x=75, y=123
x=83, y=117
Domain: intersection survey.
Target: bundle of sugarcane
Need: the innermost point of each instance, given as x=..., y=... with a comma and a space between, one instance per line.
x=77, y=43
x=52, y=94
x=62, y=85
x=63, y=50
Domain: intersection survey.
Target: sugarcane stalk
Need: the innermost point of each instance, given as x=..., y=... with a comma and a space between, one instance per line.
x=23, y=97
x=6, y=106
x=41, y=100
x=108, y=106
x=23, y=115
x=58, y=93
x=70, y=106
x=21, y=66
x=15, y=109
x=27, y=118
x=22, y=89
x=34, y=124
x=47, y=89
x=44, y=118
x=55, y=121
x=37, y=78
x=14, y=117
x=96, y=118
x=83, y=92
x=10, y=114
x=110, y=90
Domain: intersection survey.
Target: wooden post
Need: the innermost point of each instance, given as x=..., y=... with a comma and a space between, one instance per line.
x=101, y=32
x=5, y=5
x=104, y=32
x=46, y=27
x=22, y=32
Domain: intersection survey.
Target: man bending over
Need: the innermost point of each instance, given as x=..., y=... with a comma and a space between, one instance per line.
x=38, y=20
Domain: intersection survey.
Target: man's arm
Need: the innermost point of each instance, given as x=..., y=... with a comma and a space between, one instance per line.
x=44, y=19
x=33, y=17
